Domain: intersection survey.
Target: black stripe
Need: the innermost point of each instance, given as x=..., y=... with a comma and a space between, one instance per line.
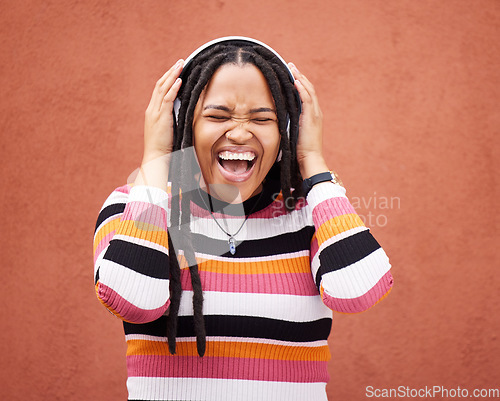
x=280, y=244
x=345, y=252
x=141, y=259
x=252, y=205
x=109, y=211
x=240, y=326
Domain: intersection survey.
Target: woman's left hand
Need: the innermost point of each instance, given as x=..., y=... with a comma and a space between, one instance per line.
x=310, y=141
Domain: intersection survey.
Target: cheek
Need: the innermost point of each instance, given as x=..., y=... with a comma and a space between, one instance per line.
x=271, y=144
x=203, y=141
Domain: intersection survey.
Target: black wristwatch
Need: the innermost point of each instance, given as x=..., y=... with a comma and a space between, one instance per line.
x=308, y=183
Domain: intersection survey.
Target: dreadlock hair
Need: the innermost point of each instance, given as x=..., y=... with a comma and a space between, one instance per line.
x=196, y=75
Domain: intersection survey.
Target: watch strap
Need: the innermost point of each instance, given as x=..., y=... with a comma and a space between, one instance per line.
x=308, y=183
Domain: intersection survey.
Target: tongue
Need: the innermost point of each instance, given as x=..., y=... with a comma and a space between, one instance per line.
x=235, y=166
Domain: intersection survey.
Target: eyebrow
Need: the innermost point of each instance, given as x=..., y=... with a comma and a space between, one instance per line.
x=225, y=108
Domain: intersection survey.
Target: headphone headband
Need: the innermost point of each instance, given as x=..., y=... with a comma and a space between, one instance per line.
x=235, y=39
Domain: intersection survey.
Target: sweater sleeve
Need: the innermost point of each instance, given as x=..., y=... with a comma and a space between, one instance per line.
x=351, y=270
x=131, y=266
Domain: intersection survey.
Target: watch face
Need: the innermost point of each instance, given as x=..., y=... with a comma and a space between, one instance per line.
x=336, y=178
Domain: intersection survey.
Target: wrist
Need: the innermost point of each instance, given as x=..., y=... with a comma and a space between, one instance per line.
x=317, y=179
x=154, y=172
x=312, y=165
x=150, y=155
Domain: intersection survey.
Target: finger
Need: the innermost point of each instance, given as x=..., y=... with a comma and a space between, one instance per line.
x=172, y=93
x=301, y=83
x=306, y=90
x=173, y=68
x=303, y=93
x=294, y=69
x=164, y=84
x=303, y=79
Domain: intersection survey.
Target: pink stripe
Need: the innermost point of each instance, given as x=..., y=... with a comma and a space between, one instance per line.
x=228, y=368
x=280, y=283
x=126, y=310
x=364, y=302
x=314, y=247
x=145, y=212
x=331, y=208
x=103, y=244
x=124, y=189
x=275, y=209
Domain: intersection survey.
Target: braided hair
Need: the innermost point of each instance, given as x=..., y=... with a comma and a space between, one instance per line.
x=196, y=75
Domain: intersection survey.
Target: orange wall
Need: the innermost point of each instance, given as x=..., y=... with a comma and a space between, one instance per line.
x=410, y=93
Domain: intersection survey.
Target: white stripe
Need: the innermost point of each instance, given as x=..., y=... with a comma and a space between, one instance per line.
x=253, y=228
x=98, y=262
x=323, y=192
x=145, y=337
x=153, y=195
x=142, y=291
x=358, y=278
x=315, y=260
x=114, y=198
x=294, y=308
x=161, y=388
x=281, y=256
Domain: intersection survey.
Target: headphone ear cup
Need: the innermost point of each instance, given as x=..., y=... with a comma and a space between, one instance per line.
x=280, y=155
x=175, y=115
x=177, y=107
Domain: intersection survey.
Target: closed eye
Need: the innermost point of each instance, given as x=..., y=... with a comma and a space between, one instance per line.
x=217, y=118
x=262, y=120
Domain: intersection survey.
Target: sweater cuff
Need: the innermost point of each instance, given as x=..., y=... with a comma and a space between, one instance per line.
x=148, y=194
x=323, y=191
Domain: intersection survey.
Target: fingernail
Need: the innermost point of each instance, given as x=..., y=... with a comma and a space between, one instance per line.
x=179, y=63
x=293, y=66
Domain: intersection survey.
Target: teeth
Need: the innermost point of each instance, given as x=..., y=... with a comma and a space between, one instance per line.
x=226, y=155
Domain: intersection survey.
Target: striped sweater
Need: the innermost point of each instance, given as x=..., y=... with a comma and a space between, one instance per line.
x=268, y=308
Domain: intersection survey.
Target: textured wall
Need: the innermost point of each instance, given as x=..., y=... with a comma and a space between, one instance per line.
x=410, y=93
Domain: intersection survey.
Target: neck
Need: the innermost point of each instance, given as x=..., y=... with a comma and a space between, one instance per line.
x=260, y=200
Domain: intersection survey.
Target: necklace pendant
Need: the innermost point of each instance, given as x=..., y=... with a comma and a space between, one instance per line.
x=232, y=246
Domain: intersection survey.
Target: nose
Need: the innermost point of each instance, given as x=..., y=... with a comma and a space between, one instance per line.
x=239, y=133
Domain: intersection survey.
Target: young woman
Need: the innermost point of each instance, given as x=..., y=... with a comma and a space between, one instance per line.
x=252, y=229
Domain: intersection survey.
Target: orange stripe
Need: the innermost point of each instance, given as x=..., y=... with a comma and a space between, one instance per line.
x=151, y=233
x=232, y=349
x=299, y=264
x=105, y=230
x=337, y=225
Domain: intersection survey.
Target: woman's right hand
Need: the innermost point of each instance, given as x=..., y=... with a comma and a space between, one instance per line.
x=159, y=130
x=159, y=123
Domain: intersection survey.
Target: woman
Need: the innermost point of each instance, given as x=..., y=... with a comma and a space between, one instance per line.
x=253, y=230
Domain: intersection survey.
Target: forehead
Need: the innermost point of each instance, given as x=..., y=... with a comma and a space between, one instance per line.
x=238, y=86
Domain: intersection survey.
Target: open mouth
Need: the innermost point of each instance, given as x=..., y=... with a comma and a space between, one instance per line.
x=236, y=163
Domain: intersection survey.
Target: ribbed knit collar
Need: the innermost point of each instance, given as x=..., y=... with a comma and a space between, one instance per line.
x=254, y=204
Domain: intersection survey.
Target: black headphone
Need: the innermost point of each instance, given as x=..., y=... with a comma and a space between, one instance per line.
x=236, y=40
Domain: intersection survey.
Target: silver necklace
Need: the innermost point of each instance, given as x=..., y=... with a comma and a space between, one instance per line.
x=231, y=241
